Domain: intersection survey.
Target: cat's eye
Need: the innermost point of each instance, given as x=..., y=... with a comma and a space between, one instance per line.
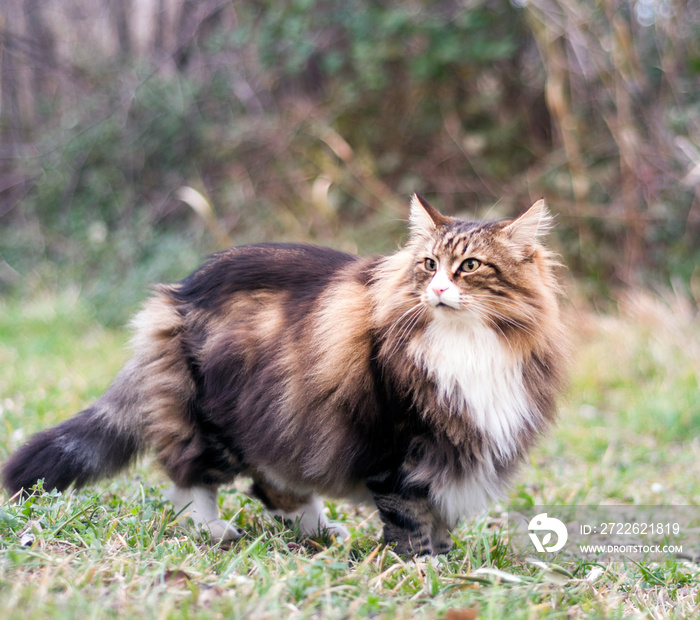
x=430, y=264
x=471, y=264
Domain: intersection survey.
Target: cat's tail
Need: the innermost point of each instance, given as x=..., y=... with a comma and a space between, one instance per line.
x=148, y=394
x=95, y=443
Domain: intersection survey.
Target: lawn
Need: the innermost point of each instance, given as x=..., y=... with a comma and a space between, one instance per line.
x=628, y=434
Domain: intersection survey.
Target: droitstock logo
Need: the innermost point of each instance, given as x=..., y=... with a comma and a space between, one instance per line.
x=543, y=523
x=609, y=532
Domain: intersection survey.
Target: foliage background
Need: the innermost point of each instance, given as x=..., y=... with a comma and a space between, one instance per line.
x=316, y=119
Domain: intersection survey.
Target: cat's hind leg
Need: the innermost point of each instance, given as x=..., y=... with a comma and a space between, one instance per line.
x=199, y=504
x=305, y=509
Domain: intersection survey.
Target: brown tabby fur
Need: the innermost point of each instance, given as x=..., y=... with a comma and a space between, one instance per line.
x=317, y=372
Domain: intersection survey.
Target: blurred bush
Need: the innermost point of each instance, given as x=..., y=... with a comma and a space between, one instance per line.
x=316, y=119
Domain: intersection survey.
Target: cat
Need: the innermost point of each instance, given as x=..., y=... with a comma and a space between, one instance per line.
x=415, y=381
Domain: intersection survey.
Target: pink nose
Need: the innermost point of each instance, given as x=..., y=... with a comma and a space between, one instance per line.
x=438, y=290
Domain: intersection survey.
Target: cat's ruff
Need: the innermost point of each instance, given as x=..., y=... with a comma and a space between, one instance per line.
x=477, y=374
x=417, y=381
x=478, y=377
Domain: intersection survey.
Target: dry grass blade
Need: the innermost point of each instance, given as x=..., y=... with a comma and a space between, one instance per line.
x=203, y=208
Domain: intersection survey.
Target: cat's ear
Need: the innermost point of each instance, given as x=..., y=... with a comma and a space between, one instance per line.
x=424, y=217
x=525, y=230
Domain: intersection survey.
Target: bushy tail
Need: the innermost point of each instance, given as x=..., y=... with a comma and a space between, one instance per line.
x=95, y=443
x=79, y=451
x=148, y=398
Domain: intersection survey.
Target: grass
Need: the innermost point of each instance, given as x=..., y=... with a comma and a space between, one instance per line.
x=628, y=433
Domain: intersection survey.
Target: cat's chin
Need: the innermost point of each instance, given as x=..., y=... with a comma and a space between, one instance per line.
x=460, y=318
x=444, y=313
x=445, y=306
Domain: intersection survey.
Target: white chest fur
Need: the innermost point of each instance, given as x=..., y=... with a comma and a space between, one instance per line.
x=469, y=495
x=476, y=373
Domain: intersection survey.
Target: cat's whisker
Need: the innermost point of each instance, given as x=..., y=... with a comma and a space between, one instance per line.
x=398, y=321
x=519, y=307
x=407, y=302
x=409, y=318
x=528, y=327
x=482, y=312
x=496, y=327
x=488, y=212
x=492, y=316
x=511, y=322
x=391, y=338
x=411, y=322
x=525, y=313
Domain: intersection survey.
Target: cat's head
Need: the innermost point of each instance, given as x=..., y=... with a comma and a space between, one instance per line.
x=497, y=271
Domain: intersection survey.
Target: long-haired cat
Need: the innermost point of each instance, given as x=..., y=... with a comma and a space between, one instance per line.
x=416, y=381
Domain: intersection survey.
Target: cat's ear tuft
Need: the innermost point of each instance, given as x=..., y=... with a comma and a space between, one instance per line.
x=424, y=217
x=534, y=223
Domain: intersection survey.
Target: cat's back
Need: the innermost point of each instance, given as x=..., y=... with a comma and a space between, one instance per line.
x=299, y=271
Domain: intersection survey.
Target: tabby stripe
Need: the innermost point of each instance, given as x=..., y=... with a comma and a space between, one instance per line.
x=400, y=519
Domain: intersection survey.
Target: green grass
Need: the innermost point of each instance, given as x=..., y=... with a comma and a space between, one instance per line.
x=627, y=434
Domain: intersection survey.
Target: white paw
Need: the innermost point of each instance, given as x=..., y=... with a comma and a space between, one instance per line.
x=312, y=521
x=221, y=531
x=337, y=530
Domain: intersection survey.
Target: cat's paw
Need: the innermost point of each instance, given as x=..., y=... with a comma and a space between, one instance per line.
x=221, y=531
x=337, y=530
x=312, y=521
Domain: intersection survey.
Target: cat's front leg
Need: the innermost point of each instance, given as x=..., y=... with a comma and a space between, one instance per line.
x=440, y=535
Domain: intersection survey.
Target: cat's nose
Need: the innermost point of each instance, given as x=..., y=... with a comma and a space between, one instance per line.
x=439, y=284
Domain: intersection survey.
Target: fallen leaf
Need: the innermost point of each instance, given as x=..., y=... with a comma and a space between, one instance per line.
x=499, y=575
x=467, y=613
x=553, y=573
x=176, y=577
